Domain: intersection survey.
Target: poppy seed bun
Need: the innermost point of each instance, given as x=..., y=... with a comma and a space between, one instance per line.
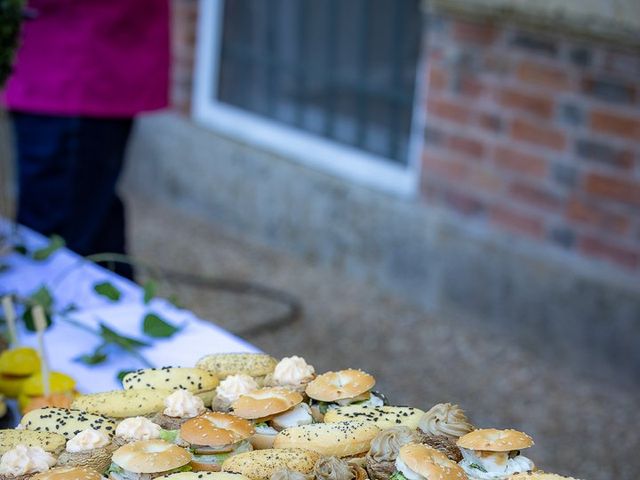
x=384, y=417
x=340, y=439
x=150, y=456
x=123, y=403
x=225, y=364
x=215, y=429
x=261, y=464
x=195, y=380
x=430, y=463
x=49, y=442
x=68, y=473
x=332, y=386
x=494, y=440
x=66, y=422
x=538, y=476
x=204, y=476
x=265, y=402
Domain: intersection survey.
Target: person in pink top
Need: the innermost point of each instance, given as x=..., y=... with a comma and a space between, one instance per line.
x=84, y=69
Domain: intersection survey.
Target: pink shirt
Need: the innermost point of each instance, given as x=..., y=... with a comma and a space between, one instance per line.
x=101, y=58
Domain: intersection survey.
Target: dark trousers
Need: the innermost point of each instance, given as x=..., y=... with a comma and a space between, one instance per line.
x=68, y=168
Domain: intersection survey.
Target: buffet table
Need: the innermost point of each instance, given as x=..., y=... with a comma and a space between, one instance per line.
x=71, y=280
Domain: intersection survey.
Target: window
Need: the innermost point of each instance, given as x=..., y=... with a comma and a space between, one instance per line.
x=329, y=82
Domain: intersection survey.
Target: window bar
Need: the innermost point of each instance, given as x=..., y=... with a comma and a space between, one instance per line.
x=362, y=105
x=302, y=29
x=396, y=56
x=329, y=67
x=272, y=55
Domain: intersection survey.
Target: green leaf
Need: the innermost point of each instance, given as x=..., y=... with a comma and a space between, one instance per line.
x=42, y=296
x=107, y=289
x=111, y=336
x=70, y=308
x=156, y=327
x=175, y=301
x=21, y=249
x=123, y=373
x=4, y=267
x=95, y=358
x=56, y=242
x=150, y=287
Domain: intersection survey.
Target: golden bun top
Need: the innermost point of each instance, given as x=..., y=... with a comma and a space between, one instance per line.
x=150, y=456
x=332, y=386
x=494, y=440
x=261, y=464
x=539, y=475
x=430, y=463
x=216, y=429
x=68, y=473
x=203, y=476
x=265, y=402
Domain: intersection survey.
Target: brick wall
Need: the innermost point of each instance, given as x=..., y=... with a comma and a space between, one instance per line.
x=184, y=16
x=536, y=135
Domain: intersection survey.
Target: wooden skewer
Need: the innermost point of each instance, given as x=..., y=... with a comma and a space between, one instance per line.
x=41, y=325
x=10, y=315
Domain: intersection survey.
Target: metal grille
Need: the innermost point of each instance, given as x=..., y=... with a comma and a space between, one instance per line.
x=342, y=69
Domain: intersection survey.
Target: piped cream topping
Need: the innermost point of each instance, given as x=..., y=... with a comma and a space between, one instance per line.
x=183, y=404
x=87, y=439
x=445, y=419
x=138, y=428
x=232, y=387
x=22, y=460
x=293, y=371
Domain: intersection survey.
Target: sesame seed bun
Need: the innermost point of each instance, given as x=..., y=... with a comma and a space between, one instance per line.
x=261, y=464
x=49, y=442
x=215, y=429
x=340, y=439
x=539, y=476
x=265, y=402
x=430, y=463
x=225, y=364
x=494, y=440
x=383, y=417
x=332, y=386
x=123, y=403
x=204, y=476
x=150, y=456
x=66, y=422
x=68, y=473
x=195, y=380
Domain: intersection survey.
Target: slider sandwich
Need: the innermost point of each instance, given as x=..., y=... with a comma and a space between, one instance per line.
x=213, y=437
x=490, y=454
x=89, y=448
x=421, y=462
x=148, y=459
x=179, y=407
x=134, y=429
x=69, y=473
x=272, y=409
x=230, y=389
x=22, y=462
x=293, y=373
x=346, y=387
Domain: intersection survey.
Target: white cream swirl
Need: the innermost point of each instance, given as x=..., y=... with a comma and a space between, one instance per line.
x=183, y=404
x=232, y=387
x=87, y=439
x=293, y=371
x=445, y=419
x=22, y=460
x=138, y=428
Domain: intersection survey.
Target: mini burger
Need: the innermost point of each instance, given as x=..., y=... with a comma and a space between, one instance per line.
x=420, y=462
x=148, y=459
x=88, y=448
x=180, y=406
x=494, y=454
x=22, y=462
x=272, y=409
x=68, y=473
x=346, y=387
x=213, y=437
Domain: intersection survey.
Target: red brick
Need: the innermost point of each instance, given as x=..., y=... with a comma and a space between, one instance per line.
x=542, y=75
x=465, y=145
x=613, y=188
x=623, y=256
x=482, y=178
x=470, y=86
x=621, y=125
x=472, y=32
x=446, y=168
x=448, y=110
x=537, y=134
x=517, y=221
x=437, y=78
x=588, y=213
x=464, y=203
x=534, y=104
x=535, y=196
x=518, y=161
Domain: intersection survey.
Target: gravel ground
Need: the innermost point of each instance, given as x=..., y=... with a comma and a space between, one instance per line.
x=582, y=426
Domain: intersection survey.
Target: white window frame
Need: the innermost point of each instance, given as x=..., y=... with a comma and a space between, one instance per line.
x=292, y=143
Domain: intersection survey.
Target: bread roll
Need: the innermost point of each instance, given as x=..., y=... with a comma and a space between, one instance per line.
x=123, y=403
x=66, y=422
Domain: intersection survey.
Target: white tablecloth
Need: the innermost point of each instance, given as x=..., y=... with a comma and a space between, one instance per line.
x=65, y=342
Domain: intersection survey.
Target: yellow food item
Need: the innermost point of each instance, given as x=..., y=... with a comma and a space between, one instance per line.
x=33, y=387
x=19, y=362
x=11, y=386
